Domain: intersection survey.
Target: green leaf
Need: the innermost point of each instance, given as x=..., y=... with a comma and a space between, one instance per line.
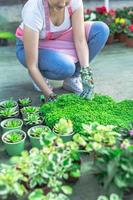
x=66, y=189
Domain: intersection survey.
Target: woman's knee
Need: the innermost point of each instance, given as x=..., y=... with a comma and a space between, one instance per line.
x=101, y=28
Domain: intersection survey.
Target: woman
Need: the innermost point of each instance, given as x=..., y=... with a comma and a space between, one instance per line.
x=54, y=42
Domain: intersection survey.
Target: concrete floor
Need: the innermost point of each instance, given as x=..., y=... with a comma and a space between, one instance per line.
x=113, y=74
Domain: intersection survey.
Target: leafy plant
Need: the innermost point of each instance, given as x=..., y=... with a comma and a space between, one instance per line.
x=114, y=167
x=7, y=35
x=13, y=137
x=38, y=131
x=33, y=119
x=8, y=112
x=129, y=31
x=13, y=123
x=24, y=101
x=102, y=109
x=99, y=136
x=63, y=127
x=112, y=197
x=30, y=110
x=10, y=181
x=39, y=194
x=8, y=104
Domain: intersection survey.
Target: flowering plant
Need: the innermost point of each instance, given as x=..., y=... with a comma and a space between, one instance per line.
x=121, y=24
x=129, y=30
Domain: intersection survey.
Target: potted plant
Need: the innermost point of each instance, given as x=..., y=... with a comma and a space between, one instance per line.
x=120, y=28
x=112, y=197
x=112, y=28
x=9, y=104
x=35, y=132
x=11, y=124
x=24, y=102
x=29, y=110
x=10, y=182
x=114, y=167
x=45, y=169
x=32, y=120
x=39, y=193
x=5, y=37
x=129, y=33
x=96, y=136
x=14, y=141
x=8, y=113
x=64, y=129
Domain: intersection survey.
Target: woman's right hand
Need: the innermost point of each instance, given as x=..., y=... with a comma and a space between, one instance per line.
x=51, y=97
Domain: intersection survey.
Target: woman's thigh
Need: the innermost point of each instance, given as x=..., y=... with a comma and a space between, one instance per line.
x=52, y=64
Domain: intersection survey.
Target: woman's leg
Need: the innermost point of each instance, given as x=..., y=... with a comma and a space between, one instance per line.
x=96, y=41
x=52, y=65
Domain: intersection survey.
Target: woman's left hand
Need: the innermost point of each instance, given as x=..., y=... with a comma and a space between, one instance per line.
x=88, y=82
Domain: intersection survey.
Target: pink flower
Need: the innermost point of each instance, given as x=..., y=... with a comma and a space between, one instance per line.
x=130, y=27
x=131, y=132
x=112, y=12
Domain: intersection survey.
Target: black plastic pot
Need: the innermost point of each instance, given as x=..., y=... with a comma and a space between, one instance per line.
x=3, y=42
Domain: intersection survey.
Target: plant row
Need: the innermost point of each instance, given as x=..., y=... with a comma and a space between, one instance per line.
x=120, y=22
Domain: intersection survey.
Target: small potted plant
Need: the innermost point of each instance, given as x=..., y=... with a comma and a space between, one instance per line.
x=8, y=113
x=113, y=196
x=29, y=110
x=5, y=37
x=35, y=132
x=112, y=28
x=64, y=129
x=11, y=124
x=24, y=102
x=9, y=104
x=129, y=33
x=14, y=141
x=32, y=120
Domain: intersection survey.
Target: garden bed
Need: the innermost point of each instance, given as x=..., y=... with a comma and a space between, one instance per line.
x=96, y=115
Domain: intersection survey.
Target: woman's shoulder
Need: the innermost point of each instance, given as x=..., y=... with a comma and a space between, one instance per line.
x=33, y=5
x=75, y=4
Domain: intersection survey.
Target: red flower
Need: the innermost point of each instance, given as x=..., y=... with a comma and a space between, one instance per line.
x=130, y=27
x=88, y=11
x=101, y=10
x=112, y=12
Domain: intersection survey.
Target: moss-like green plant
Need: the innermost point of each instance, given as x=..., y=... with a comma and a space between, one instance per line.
x=102, y=109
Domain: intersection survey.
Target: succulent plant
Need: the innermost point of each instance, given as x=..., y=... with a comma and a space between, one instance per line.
x=63, y=127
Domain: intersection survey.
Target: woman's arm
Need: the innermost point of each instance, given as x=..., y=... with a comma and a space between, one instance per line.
x=80, y=37
x=31, y=40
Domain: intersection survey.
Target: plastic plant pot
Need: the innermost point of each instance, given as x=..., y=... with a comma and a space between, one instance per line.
x=35, y=141
x=14, y=149
x=4, y=122
x=65, y=138
x=15, y=107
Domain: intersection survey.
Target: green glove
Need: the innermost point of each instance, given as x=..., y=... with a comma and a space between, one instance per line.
x=87, y=81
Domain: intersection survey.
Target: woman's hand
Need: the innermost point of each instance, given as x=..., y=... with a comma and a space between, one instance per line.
x=87, y=81
x=51, y=97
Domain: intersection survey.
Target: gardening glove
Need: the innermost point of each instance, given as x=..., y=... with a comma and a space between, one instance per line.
x=51, y=97
x=87, y=81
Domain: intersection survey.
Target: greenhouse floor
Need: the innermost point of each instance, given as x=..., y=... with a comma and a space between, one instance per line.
x=113, y=74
